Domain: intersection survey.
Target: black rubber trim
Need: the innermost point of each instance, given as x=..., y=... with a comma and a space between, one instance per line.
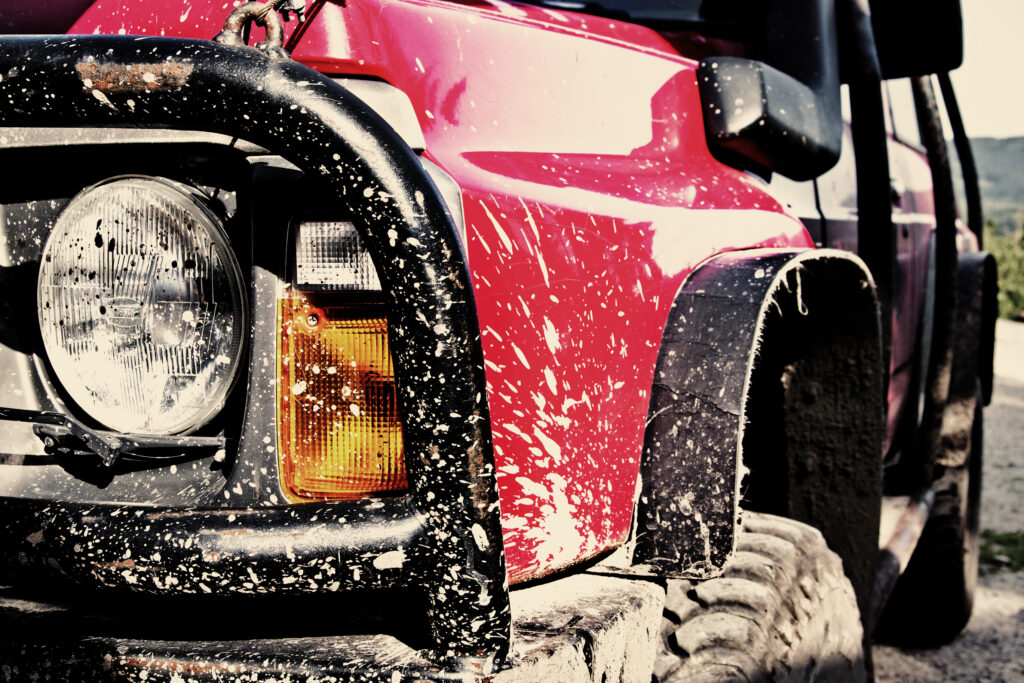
x=434, y=333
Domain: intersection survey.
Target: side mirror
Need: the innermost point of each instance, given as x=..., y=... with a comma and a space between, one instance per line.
x=755, y=113
x=917, y=37
x=781, y=113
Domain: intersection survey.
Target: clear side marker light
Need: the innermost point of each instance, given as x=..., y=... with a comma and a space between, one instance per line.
x=330, y=257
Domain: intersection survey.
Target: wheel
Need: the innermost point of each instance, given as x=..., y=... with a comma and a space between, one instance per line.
x=932, y=600
x=782, y=611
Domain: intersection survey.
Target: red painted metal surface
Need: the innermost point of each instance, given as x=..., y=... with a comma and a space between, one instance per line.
x=589, y=195
x=914, y=219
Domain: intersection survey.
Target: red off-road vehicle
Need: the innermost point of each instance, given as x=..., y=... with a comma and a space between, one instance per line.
x=432, y=339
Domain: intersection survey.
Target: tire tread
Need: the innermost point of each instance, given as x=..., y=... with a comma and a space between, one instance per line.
x=783, y=611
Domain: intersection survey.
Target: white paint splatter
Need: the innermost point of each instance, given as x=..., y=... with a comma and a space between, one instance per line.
x=518, y=432
x=549, y=377
x=479, y=537
x=520, y=355
x=497, y=228
x=393, y=559
x=551, y=336
x=103, y=98
x=569, y=403
x=553, y=449
x=540, y=252
x=554, y=531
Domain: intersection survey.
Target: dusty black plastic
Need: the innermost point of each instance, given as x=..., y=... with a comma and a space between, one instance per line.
x=976, y=223
x=434, y=333
x=917, y=37
x=987, y=342
x=782, y=112
x=717, y=396
x=688, y=505
x=973, y=341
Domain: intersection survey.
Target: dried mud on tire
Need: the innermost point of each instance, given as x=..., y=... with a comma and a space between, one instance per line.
x=783, y=611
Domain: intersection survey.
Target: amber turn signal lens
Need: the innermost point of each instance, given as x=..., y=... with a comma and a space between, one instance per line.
x=339, y=430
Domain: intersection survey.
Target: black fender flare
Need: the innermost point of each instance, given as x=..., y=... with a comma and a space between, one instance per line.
x=973, y=345
x=732, y=327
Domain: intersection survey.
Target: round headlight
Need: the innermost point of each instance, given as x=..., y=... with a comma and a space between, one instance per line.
x=142, y=306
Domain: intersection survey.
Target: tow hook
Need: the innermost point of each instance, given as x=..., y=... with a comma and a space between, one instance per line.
x=265, y=14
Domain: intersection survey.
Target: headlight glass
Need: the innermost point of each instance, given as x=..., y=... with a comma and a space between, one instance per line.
x=141, y=306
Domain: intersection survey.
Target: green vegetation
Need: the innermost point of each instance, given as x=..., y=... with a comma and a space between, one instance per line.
x=1008, y=250
x=1000, y=163
x=1002, y=549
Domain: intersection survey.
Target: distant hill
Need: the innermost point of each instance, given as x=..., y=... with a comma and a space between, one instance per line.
x=1000, y=164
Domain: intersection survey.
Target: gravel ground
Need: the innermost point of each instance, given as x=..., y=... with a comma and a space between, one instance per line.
x=991, y=648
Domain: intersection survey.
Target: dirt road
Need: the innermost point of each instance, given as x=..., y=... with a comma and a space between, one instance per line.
x=992, y=646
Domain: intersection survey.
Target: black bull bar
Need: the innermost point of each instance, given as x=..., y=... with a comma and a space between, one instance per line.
x=447, y=534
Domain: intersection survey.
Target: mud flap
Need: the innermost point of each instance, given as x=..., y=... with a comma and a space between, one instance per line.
x=972, y=354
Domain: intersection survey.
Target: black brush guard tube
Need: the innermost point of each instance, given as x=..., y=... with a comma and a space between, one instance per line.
x=280, y=550
x=323, y=129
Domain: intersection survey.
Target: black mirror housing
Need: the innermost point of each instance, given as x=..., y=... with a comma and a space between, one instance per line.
x=780, y=113
x=755, y=113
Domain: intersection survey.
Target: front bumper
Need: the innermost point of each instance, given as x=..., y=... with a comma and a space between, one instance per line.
x=582, y=628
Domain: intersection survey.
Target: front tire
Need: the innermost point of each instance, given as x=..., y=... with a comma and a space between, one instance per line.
x=782, y=611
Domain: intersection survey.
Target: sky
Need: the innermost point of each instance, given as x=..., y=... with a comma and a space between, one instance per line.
x=990, y=84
